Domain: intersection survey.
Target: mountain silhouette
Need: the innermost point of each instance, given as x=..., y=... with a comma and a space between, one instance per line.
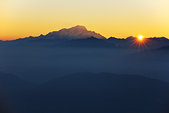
x=77, y=32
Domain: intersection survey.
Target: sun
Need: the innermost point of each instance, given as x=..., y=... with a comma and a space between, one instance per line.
x=140, y=38
x=139, y=41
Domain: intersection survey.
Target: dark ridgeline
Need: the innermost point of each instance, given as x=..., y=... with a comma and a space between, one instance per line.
x=91, y=92
x=62, y=72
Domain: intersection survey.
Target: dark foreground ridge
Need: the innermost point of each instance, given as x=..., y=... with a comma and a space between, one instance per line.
x=91, y=92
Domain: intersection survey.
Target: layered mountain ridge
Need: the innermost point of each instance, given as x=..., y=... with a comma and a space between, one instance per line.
x=77, y=32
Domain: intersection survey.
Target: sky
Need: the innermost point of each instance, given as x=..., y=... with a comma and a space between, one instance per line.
x=116, y=18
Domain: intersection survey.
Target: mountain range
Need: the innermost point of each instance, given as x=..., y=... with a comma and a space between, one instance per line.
x=77, y=32
x=79, y=36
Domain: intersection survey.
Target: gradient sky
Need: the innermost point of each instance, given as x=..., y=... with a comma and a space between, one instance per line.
x=118, y=18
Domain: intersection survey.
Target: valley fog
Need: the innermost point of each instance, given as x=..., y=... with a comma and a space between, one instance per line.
x=39, y=64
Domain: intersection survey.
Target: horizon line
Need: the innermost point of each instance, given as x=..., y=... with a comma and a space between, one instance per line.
x=12, y=39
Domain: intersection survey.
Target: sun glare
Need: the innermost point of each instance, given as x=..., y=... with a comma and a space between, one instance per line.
x=139, y=41
x=140, y=38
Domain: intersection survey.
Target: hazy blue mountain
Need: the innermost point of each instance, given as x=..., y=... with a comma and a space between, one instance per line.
x=98, y=93
x=77, y=32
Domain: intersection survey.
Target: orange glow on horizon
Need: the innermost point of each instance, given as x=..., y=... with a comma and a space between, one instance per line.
x=116, y=18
